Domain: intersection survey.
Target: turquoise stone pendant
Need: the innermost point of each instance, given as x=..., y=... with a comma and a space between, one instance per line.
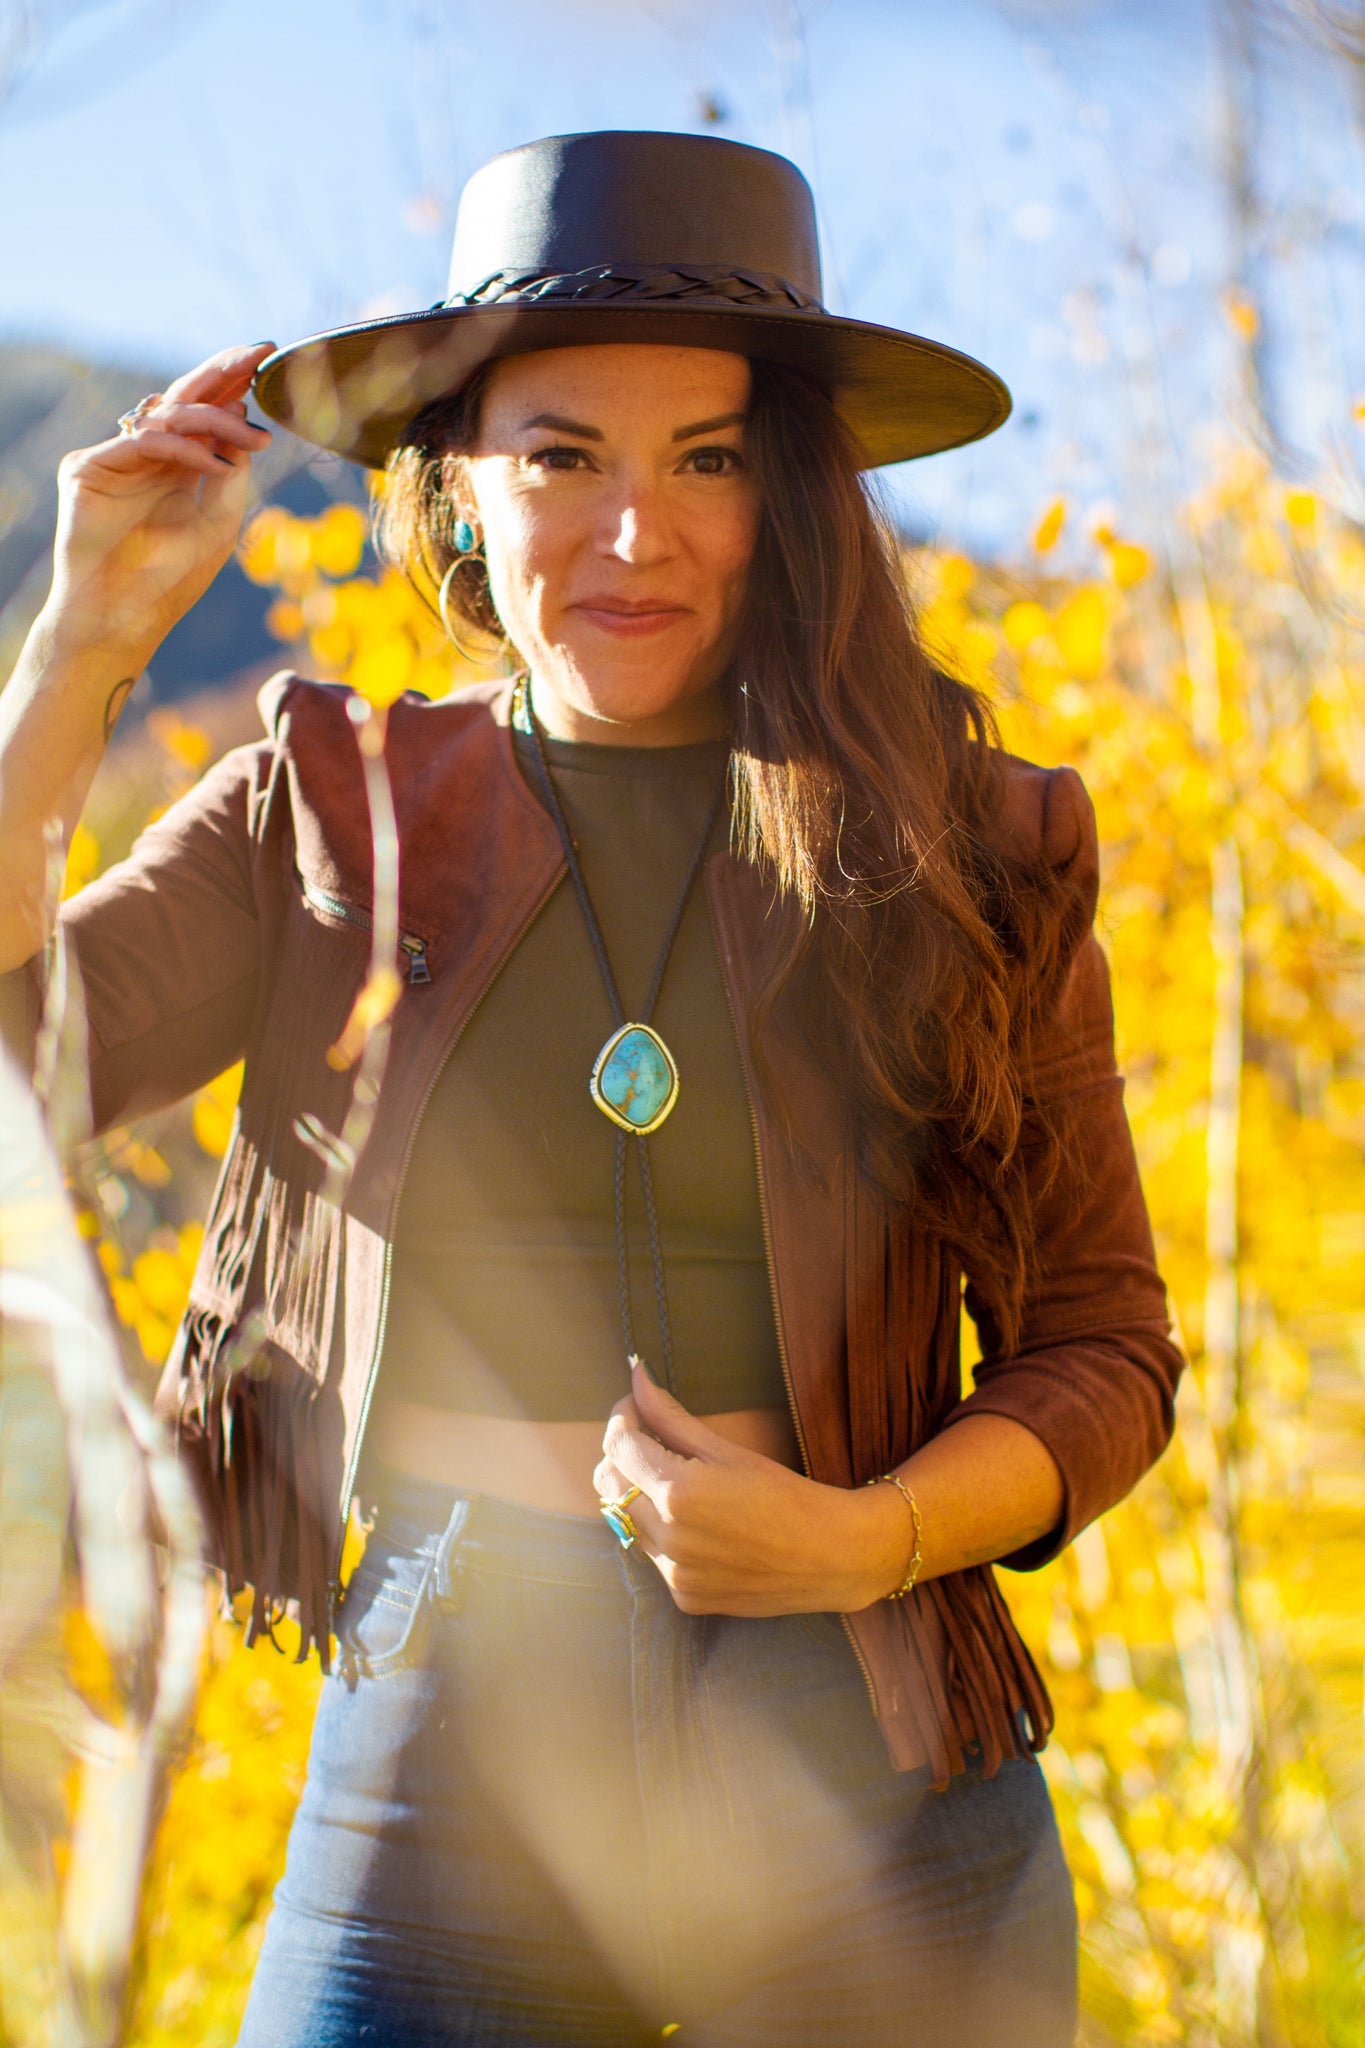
x=635, y=1080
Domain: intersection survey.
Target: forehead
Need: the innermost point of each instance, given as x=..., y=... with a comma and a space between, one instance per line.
x=618, y=378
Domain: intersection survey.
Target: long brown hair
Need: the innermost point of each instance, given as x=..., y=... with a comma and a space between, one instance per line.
x=865, y=777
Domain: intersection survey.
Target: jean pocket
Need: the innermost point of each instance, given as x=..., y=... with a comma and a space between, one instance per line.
x=377, y=1624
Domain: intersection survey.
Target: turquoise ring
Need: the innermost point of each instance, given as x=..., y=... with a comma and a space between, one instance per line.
x=615, y=1513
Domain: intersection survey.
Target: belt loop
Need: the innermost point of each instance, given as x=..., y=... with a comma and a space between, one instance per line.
x=445, y=1578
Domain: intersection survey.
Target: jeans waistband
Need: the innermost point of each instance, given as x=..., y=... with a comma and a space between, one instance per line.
x=498, y=1535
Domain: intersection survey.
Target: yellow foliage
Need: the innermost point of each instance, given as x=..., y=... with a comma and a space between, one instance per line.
x=373, y=632
x=214, y=1109
x=185, y=743
x=1241, y=314
x=150, y=1298
x=83, y=861
x=338, y=540
x=382, y=670
x=1080, y=630
x=1048, y=531
x=1024, y=623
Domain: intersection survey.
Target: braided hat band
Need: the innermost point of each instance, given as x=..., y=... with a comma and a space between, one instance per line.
x=652, y=283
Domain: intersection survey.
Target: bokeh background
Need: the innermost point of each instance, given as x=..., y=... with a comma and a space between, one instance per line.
x=1151, y=219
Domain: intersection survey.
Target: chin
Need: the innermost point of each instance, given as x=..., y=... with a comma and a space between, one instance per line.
x=626, y=692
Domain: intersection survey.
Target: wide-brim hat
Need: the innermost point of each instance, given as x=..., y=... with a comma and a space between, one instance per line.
x=635, y=237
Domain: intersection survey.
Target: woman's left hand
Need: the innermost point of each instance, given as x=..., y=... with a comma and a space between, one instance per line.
x=733, y=1532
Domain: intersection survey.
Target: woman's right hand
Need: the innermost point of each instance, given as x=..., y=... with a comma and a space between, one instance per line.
x=147, y=519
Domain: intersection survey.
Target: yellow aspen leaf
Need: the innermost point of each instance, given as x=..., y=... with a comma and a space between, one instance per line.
x=82, y=861
x=1024, y=623
x=256, y=552
x=162, y=1280
x=285, y=619
x=1080, y=630
x=956, y=575
x=330, y=647
x=155, y=1334
x=338, y=540
x=382, y=671
x=214, y=1109
x=432, y=676
x=1241, y=315
x=1300, y=508
x=148, y=1164
x=1128, y=563
x=374, y=1003
x=125, y=1297
x=1048, y=531
x=185, y=743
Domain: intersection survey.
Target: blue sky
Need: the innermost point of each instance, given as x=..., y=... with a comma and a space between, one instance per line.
x=1036, y=181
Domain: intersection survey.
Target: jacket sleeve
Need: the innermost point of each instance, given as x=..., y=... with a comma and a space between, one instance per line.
x=167, y=944
x=1095, y=1372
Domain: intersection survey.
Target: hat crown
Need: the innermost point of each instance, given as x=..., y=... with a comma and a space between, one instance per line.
x=575, y=202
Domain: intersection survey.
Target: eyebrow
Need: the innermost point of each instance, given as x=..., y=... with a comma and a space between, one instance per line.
x=559, y=424
x=722, y=419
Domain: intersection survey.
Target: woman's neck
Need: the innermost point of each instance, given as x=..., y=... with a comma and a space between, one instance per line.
x=702, y=716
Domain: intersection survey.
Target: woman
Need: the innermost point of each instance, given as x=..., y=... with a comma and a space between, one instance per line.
x=751, y=1004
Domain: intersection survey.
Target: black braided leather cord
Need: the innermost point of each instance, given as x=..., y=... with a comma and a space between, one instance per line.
x=641, y=283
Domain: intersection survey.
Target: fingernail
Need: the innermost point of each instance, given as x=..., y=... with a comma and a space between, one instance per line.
x=226, y=460
x=265, y=344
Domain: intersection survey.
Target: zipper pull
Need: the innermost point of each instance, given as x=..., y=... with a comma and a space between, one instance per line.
x=419, y=973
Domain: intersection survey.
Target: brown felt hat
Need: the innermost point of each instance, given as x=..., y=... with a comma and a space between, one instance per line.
x=623, y=236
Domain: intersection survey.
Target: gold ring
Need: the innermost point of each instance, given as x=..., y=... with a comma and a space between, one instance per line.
x=130, y=421
x=615, y=1514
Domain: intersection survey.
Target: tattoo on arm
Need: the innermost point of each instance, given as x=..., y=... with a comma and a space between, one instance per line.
x=118, y=697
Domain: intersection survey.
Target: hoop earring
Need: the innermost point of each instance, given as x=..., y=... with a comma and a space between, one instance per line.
x=476, y=659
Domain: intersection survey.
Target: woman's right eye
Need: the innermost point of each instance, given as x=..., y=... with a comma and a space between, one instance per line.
x=557, y=457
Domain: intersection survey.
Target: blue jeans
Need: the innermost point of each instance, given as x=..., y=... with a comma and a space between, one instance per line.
x=543, y=1807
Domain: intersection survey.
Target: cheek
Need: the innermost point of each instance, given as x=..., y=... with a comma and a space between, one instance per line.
x=729, y=541
x=521, y=548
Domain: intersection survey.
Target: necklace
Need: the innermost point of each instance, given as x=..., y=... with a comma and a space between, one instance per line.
x=634, y=1079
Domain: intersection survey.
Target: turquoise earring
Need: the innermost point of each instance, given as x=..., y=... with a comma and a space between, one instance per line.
x=463, y=537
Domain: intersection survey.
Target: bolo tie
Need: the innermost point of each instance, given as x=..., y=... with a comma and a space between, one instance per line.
x=634, y=1079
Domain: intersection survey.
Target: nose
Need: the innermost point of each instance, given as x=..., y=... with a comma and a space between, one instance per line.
x=637, y=529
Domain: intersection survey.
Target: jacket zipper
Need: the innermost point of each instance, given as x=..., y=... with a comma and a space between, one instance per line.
x=348, y=1494
x=419, y=970
x=777, y=1310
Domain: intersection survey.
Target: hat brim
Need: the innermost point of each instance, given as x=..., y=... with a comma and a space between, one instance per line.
x=357, y=389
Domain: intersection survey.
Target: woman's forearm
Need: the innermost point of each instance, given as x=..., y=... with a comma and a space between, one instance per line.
x=985, y=1488
x=56, y=714
x=145, y=521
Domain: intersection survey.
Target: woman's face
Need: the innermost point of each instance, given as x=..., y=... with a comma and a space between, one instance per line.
x=618, y=520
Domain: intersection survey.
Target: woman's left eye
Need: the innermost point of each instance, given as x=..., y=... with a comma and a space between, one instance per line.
x=557, y=457
x=715, y=461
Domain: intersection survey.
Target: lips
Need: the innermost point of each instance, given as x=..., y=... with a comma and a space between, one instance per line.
x=629, y=618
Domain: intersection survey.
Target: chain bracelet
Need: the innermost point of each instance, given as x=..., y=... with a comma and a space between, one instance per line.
x=917, y=1555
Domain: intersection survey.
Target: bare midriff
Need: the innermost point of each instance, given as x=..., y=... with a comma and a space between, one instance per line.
x=547, y=1465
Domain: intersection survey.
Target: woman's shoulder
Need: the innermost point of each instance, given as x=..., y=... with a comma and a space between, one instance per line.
x=293, y=705
x=1036, y=816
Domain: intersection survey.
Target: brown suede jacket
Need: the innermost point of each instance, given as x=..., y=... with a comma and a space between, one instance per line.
x=214, y=942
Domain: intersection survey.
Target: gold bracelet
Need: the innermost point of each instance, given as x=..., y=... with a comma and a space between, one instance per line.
x=917, y=1555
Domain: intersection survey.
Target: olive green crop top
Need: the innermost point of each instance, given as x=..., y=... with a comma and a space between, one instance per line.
x=505, y=1293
